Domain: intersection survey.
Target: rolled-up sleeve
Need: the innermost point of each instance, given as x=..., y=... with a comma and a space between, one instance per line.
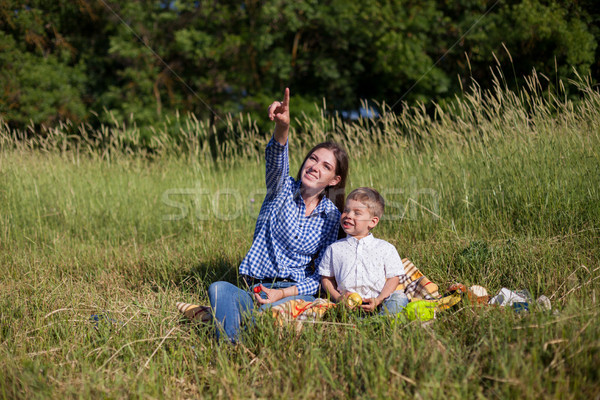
x=277, y=167
x=309, y=285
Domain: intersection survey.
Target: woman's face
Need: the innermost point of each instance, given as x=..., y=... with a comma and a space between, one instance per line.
x=318, y=170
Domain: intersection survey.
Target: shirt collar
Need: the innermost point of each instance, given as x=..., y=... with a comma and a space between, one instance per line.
x=366, y=240
x=325, y=205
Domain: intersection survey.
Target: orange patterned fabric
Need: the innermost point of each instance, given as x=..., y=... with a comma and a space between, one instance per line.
x=301, y=310
x=416, y=285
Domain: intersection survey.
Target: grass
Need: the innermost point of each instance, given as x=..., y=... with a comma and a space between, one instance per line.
x=499, y=189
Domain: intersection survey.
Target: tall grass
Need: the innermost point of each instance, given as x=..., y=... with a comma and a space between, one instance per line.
x=498, y=188
x=472, y=120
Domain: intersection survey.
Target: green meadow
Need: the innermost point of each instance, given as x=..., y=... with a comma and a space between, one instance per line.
x=498, y=188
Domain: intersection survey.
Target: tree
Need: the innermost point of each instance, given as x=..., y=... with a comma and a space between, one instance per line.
x=72, y=59
x=42, y=82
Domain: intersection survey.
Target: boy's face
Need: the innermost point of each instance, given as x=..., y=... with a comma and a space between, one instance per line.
x=357, y=220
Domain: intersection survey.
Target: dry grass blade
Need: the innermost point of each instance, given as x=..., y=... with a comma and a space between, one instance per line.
x=129, y=344
x=404, y=378
x=156, y=350
x=511, y=381
x=57, y=311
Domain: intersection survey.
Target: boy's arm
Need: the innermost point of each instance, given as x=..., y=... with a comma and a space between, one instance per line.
x=388, y=288
x=390, y=285
x=327, y=273
x=329, y=284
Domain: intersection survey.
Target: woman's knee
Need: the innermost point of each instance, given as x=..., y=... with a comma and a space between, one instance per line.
x=224, y=294
x=217, y=288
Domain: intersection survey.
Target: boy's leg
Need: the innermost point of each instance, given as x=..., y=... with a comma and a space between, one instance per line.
x=394, y=304
x=229, y=304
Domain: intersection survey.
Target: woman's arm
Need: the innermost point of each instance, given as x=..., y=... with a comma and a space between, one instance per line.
x=276, y=154
x=274, y=295
x=309, y=285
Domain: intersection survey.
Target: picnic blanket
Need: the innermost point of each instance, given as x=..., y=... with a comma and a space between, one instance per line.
x=416, y=285
x=300, y=310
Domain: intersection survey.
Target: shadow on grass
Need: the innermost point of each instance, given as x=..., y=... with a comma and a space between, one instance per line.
x=199, y=276
x=193, y=279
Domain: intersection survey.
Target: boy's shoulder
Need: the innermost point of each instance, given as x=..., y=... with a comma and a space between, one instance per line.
x=382, y=247
x=371, y=240
x=381, y=242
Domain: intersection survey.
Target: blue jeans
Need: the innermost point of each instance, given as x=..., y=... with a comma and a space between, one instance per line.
x=231, y=305
x=394, y=304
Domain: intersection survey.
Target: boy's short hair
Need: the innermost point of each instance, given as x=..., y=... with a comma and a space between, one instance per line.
x=370, y=198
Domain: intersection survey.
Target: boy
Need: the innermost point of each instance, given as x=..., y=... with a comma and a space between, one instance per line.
x=361, y=263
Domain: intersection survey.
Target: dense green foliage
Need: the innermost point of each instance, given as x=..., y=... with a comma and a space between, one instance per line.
x=501, y=191
x=73, y=59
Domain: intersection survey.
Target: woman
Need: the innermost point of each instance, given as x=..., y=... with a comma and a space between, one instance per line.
x=297, y=221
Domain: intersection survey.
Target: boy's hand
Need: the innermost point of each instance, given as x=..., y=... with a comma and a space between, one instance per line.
x=343, y=299
x=370, y=305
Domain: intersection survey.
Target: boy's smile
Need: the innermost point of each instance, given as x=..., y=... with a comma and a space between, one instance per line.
x=357, y=220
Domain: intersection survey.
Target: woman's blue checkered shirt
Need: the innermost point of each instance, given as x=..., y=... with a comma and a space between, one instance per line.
x=285, y=240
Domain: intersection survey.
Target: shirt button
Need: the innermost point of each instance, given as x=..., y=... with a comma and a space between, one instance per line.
x=296, y=237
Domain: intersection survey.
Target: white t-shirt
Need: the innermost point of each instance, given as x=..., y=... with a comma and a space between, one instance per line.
x=361, y=266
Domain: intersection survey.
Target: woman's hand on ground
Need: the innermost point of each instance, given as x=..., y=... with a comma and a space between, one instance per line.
x=272, y=295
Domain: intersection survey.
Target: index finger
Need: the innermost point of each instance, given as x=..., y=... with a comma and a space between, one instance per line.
x=286, y=97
